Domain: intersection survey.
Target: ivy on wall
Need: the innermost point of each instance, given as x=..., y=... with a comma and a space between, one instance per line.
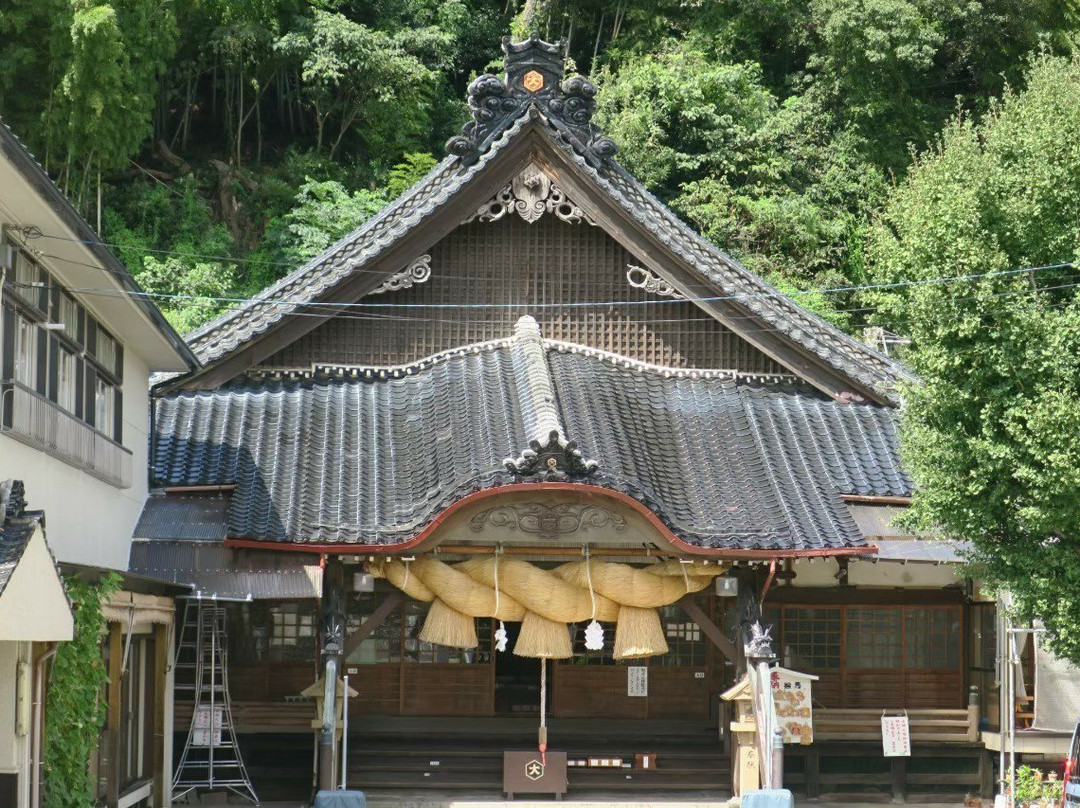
x=75, y=707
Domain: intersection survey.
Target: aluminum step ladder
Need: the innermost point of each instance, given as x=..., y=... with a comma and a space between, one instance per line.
x=211, y=758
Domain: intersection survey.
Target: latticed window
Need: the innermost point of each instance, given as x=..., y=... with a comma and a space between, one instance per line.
x=686, y=644
x=930, y=635
x=812, y=638
x=383, y=645
x=873, y=637
x=292, y=630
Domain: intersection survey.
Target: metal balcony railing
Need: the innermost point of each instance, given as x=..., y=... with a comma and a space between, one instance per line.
x=39, y=422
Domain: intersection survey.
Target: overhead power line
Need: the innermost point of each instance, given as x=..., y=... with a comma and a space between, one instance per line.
x=738, y=297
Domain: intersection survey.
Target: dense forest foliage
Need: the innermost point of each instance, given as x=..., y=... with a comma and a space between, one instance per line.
x=219, y=143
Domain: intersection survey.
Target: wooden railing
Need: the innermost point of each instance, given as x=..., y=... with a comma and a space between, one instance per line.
x=925, y=726
x=39, y=422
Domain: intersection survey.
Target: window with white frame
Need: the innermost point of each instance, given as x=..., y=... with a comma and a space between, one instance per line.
x=103, y=406
x=26, y=351
x=105, y=351
x=68, y=314
x=61, y=366
x=66, y=379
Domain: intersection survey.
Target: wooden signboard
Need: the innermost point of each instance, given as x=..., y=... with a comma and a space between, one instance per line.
x=637, y=681
x=792, y=698
x=529, y=773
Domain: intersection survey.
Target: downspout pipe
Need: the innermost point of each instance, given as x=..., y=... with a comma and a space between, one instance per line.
x=39, y=724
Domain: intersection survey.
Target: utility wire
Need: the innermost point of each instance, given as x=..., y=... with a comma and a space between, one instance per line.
x=708, y=299
x=563, y=305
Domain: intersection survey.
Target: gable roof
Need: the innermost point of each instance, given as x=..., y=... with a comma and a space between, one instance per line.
x=559, y=116
x=371, y=456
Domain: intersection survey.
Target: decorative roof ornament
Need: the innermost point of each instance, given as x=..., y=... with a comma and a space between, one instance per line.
x=641, y=278
x=12, y=500
x=531, y=194
x=557, y=457
x=759, y=645
x=548, y=521
x=418, y=271
x=533, y=79
x=549, y=453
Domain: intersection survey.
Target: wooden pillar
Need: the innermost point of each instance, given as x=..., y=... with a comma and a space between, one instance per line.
x=813, y=774
x=112, y=733
x=160, y=704
x=749, y=611
x=898, y=769
x=987, y=786
x=332, y=642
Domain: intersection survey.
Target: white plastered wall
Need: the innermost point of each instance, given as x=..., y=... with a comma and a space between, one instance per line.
x=14, y=749
x=33, y=605
x=821, y=572
x=88, y=521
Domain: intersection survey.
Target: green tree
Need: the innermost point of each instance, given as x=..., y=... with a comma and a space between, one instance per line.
x=350, y=71
x=992, y=432
x=782, y=186
x=102, y=108
x=324, y=212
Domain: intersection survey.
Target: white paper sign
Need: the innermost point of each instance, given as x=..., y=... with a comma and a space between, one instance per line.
x=637, y=681
x=792, y=697
x=201, y=734
x=895, y=738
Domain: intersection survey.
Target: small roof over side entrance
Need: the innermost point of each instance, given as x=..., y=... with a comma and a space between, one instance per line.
x=33, y=602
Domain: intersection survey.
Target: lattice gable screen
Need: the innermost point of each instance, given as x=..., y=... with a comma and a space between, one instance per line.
x=526, y=267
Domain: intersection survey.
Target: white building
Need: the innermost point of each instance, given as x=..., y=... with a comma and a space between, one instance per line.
x=78, y=342
x=78, y=346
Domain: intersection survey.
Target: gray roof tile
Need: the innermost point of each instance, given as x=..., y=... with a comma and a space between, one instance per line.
x=372, y=456
x=192, y=517
x=14, y=536
x=214, y=570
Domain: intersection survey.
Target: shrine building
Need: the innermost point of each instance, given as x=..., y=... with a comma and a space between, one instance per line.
x=526, y=407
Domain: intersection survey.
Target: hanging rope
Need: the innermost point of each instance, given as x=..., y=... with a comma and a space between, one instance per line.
x=588, y=576
x=500, y=633
x=543, y=711
x=547, y=600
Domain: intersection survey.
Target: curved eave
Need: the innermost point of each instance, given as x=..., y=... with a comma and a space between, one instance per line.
x=426, y=539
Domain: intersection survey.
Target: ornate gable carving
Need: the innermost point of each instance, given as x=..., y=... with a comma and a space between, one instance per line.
x=548, y=521
x=533, y=79
x=642, y=278
x=531, y=194
x=418, y=271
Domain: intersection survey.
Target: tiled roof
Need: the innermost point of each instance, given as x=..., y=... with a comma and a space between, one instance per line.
x=15, y=534
x=191, y=517
x=213, y=570
x=718, y=270
x=371, y=456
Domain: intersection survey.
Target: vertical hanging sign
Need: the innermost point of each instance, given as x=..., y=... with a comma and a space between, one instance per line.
x=895, y=735
x=637, y=680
